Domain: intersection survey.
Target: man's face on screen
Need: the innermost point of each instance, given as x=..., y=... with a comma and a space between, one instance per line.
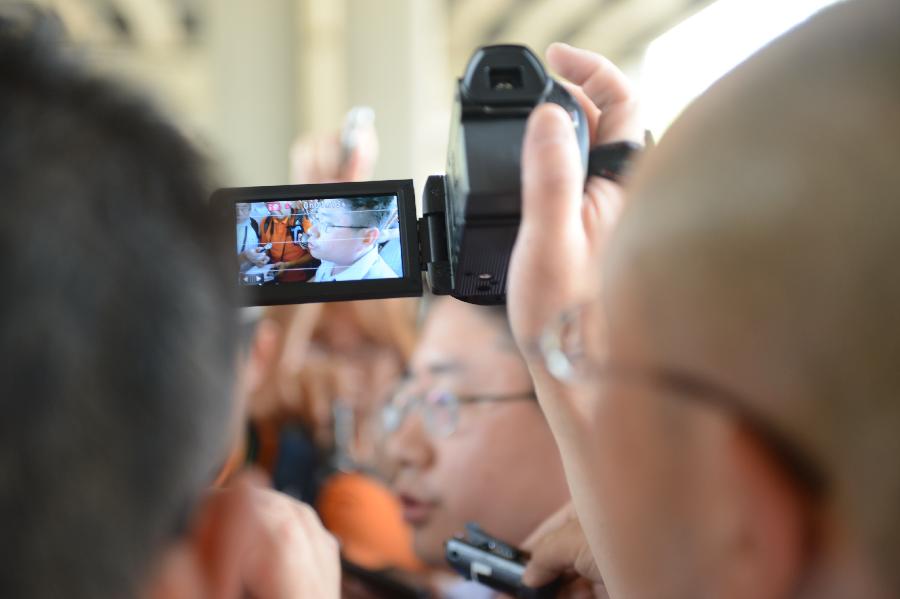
x=242, y=212
x=334, y=237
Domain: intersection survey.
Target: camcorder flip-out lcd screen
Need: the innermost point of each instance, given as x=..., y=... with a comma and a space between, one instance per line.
x=301, y=243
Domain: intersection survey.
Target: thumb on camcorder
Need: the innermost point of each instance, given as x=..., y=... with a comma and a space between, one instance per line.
x=551, y=557
x=551, y=244
x=558, y=547
x=552, y=175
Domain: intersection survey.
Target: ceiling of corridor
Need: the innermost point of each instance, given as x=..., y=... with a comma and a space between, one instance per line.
x=618, y=28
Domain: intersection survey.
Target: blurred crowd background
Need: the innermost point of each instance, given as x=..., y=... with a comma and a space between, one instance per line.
x=244, y=78
x=263, y=87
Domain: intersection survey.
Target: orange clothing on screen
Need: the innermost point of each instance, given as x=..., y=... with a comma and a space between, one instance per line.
x=367, y=519
x=277, y=231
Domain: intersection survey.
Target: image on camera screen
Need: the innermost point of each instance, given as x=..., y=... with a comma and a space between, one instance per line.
x=282, y=241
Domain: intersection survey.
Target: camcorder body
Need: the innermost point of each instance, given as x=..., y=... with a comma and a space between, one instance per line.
x=479, y=201
x=364, y=240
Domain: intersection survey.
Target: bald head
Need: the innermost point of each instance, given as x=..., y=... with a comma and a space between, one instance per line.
x=761, y=247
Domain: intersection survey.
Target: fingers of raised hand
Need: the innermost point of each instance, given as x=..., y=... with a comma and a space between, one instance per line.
x=606, y=86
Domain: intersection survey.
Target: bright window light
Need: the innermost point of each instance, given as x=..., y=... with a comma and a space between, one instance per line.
x=680, y=64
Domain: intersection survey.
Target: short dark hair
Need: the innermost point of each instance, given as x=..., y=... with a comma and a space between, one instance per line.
x=117, y=329
x=374, y=211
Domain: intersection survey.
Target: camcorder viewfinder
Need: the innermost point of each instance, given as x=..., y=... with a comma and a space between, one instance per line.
x=479, y=557
x=351, y=241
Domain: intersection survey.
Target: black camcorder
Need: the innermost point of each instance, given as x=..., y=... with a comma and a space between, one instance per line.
x=349, y=241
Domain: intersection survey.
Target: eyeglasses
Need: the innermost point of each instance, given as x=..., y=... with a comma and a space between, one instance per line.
x=325, y=227
x=576, y=352
x=440, y=408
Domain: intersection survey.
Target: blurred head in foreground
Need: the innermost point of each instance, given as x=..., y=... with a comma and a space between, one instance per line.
x=752, y=293
x=116, y=329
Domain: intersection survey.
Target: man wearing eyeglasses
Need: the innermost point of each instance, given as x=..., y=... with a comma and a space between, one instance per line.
x=726, y=407
x=467, y=441
x=344, y=235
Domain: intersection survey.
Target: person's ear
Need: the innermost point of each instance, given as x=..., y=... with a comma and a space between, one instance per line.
x=772, y=543
x=208, y=564
x=371, y=236
x=176, y=576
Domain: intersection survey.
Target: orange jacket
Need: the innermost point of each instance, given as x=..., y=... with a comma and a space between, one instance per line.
x=277, y=231
x=368, y=520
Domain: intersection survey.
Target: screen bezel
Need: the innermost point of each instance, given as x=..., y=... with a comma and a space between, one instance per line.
x=409, y=285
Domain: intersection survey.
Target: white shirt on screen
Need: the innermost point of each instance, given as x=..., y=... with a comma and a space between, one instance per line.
x=247, y=239
x=368, y=266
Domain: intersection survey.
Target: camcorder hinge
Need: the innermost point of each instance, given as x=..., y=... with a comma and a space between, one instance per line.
x=434, y=249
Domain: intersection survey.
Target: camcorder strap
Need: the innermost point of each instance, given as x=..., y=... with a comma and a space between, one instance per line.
x=612, y=161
